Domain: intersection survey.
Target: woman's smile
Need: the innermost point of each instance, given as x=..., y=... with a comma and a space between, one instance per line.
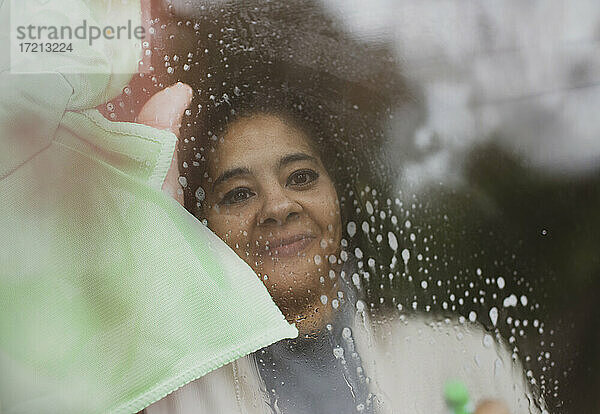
x=289, y=246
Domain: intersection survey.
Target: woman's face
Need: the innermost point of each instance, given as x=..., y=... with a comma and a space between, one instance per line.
x=269, y=197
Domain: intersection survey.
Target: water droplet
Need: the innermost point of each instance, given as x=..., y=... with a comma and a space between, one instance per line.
x=338, y=352
x=501, y=283
x=524, y=300
x=405, y=256
x=510, y=301
x=351, y=227
x=392, y=241
x=494, y=315
x=200, y=194
x=488, y=341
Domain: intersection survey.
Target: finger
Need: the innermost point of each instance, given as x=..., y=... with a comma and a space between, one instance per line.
x=491, y=407
x=166, y=108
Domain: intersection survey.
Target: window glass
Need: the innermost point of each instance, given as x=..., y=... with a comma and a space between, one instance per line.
x=416, y=184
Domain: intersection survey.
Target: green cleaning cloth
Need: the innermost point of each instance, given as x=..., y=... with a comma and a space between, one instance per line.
x=111, y=294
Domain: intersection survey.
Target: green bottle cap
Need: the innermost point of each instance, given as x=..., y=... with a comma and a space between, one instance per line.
x=457, y=396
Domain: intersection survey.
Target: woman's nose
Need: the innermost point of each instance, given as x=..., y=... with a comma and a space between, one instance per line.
x=278, y=208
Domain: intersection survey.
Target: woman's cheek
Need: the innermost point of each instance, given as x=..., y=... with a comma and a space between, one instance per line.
x=239, y=239
x=334, y=225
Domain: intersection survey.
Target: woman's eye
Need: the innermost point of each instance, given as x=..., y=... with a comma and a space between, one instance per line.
x=237, y=195
x=302, y=177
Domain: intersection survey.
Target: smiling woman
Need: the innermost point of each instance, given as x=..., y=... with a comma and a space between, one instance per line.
x=263, y=170
x=274, y=158
x=283, y=162
x=277, y=208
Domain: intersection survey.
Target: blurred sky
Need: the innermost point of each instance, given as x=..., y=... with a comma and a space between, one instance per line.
x=526, y=74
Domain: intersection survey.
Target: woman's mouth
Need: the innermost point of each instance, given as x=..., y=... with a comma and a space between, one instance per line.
x=289, y=246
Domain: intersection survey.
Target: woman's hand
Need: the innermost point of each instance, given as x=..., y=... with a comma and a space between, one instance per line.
x=165, y=111
x=491, y=407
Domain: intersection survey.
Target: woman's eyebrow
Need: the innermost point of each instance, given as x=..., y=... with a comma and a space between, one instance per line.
x=231, y=173
x=297, y=156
